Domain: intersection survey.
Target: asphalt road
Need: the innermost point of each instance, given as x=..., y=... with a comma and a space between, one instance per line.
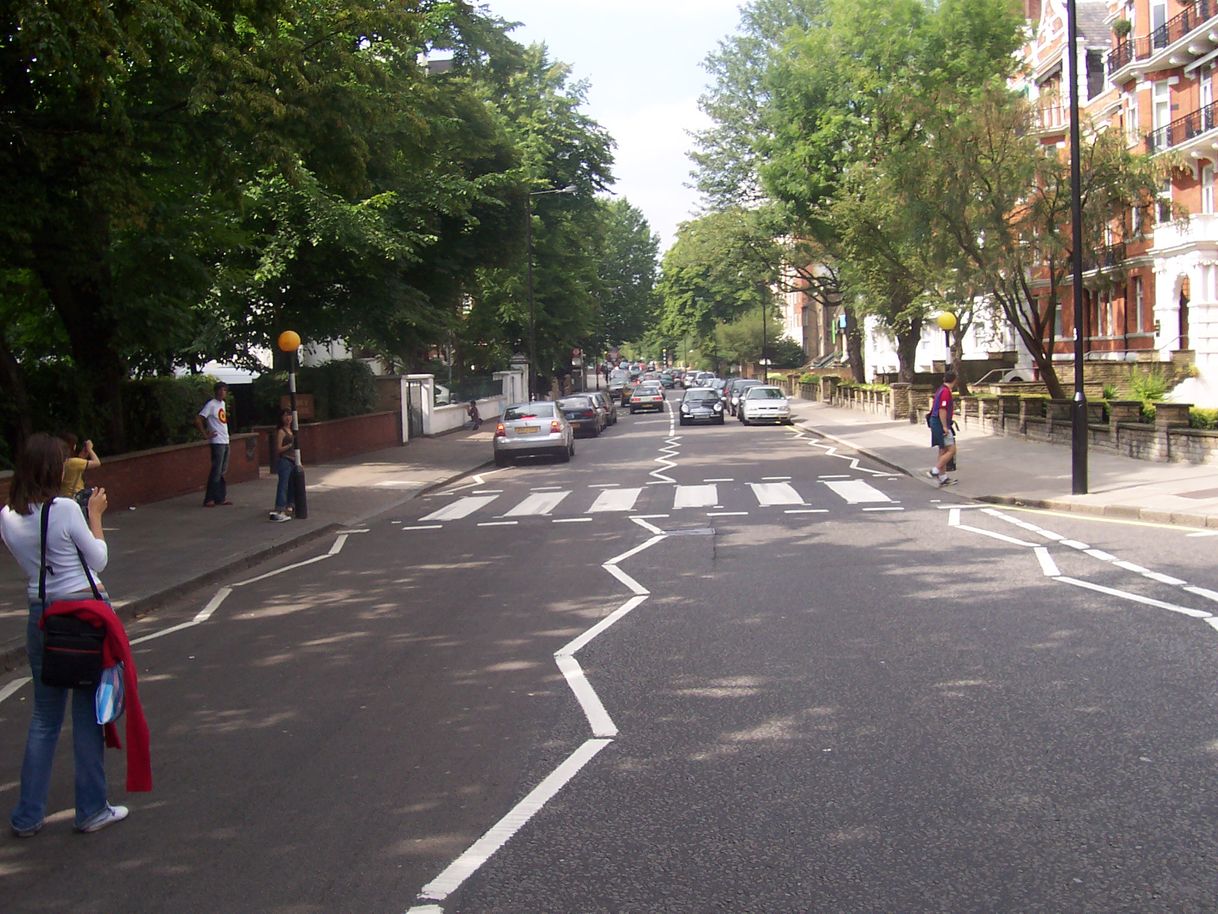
x=786, y=680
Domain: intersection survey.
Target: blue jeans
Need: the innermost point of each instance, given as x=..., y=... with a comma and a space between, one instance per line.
x=284, y=496
x=47, y=720
x=217, y=488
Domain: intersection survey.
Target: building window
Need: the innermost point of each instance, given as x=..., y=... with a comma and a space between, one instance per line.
x=1058, y=330
x=1107, y=323
x=1207, y=189
x=1131, y=121
x=1163, y=206
x=1136, y=221
x=1139, y=300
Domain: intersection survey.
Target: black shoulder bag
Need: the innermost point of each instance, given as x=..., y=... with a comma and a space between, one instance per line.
x=71, y=647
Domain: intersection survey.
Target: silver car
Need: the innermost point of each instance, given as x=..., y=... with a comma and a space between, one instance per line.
x=763, y=403
x=533, y=429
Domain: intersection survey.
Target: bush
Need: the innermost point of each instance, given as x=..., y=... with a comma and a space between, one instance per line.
x=1148, y=386
x=1203, y=418
x=1148, y=412
x=161, y=411
x=340, y=389
x=1110, y=392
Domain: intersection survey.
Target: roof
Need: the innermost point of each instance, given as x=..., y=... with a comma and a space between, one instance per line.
x=1091, y=24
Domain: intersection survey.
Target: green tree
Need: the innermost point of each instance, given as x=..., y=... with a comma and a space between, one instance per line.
x=627, y=276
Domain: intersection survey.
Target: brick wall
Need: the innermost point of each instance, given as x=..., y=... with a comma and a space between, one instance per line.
x=323, y=442
x=142, y=477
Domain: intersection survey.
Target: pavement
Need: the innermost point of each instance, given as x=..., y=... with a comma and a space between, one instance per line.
x=163, y=550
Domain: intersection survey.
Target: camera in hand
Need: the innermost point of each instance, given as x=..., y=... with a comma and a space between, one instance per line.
x=82, y=498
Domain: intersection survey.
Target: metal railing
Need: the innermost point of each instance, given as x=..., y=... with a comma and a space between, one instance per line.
x=1171, y=31
x=1104, y=258
x=1182, y=129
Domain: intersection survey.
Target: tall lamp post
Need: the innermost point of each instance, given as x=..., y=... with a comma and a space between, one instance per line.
x=289, y=343
x=1078, y=411
x=569, y=189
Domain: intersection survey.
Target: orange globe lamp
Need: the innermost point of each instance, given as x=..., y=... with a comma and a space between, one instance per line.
x=946, y=321
x=289, y=341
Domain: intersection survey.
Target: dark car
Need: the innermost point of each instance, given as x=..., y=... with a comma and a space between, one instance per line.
x=736, y=390
x=581, y=411
x=666, y=380
x=607, y=405
x=701, y=404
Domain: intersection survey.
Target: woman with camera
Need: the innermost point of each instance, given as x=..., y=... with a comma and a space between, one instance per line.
x=71, y=542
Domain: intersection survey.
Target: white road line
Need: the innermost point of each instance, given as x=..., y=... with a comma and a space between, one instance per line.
x=571, y=520
x=857, y=492
x=1047, y=565
x=1130, y=566
x=502, y=831
x=997, y=536
x=774, y=478
x=1203, y=533
x=1075, y=544
x=337, y=546
x=1136, y=598
x=498, y=523
x=635, y=551
x=642, y=522
x=16, y=684
x=616, y=500
x=271, y=574
x=539, y=503
x=603, y=485
x=1164, y=579
x=883, y=509
x=426, y=527
x=1101, y=555
x=219, y=597
x=727, y=513
x=462, y=507
x=574, y=646
x=806, y=511
x=545, y=488
x=661, y=482
x=1212, y=622
x=487, y=492
x=626, y=579
x=833, y=477
x=598, y=718
x=720, y=479
x=163, y=632
x=695, y=497
x=1203, y=592
x=776, y=493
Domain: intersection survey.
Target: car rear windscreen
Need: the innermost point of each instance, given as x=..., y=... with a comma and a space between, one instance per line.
x=529, y=411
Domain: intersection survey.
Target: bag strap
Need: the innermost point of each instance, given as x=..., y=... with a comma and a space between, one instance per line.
x=42, y=567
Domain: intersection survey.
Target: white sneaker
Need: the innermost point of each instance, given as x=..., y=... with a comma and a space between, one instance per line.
x=933, y=474
x=103, y=819
x=279, y=517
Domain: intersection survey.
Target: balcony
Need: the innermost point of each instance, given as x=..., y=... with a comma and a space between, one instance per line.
x=1198, y=231
x=1187, y=134
x=1180, y=40
x=1050, y=119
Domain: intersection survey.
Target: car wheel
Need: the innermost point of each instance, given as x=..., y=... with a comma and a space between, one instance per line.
x=571, y=450
x=564, y=455
x=721, y=419
x=500, y=460
x=682, y=420
x=743, y=421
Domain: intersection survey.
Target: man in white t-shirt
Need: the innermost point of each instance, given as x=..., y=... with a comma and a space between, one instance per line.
x=212, y=422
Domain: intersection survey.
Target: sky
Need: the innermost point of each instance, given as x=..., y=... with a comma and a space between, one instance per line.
x=643, y=60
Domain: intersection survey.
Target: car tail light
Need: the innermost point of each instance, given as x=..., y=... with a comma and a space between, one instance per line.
x=500, y=431
x=555, y=426
x=589, y=414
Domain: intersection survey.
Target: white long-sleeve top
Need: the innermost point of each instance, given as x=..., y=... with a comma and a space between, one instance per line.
x=66, y=532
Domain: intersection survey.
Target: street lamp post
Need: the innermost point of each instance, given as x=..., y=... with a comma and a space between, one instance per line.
x=289, y=343
x=947, y=323
x=528, y=234
x=1078, y=412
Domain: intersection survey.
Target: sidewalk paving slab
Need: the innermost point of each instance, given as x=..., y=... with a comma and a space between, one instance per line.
x=1014, y=471
x=163, y=549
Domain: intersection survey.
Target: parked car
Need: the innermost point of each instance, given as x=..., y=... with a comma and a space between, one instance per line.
x=607, y=404
x=647, y=396
x=530, y=430
x=763, y=403
x=736, y=390
x=442, y=395
x=701, y=404
x=581, y=412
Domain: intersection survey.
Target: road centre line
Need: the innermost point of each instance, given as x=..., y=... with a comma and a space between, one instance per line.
x=502, y=831
x=574, y=646
x=1203, y=592
x=571, y=520
x=720, y=479
x=1075, y=544
x=635, y=551
x=487, y=492
x=603, y=485
x=726, y=513
x=598, y=718
x=426, y=527
x=998, y=536
x=775, y=478
x=806, y=511
x=1130, y=566
x=883, y=509
x=1164, y=579
x=545, y=488
x=635, y=586
x=1047, y=565
x=1136, y=598
x=498, y=523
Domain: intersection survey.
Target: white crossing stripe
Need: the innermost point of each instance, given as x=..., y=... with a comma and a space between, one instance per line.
x=537, y=503
x=857, y=492
x=696, y=497
x=462, y=507
x=615, y=500
x=776, y=493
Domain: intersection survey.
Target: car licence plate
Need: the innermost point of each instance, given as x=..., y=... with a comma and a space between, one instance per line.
x=527, y=429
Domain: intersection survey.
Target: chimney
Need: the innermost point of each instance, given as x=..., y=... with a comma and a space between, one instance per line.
x=1031, y=10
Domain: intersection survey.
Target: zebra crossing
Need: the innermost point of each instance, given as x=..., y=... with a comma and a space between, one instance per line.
x=495, y=508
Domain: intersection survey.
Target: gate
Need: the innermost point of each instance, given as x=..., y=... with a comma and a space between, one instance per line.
x=414, y=409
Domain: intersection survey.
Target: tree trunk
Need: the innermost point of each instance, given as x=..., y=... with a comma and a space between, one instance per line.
x=854, y=346
x=81, y=301
x=907, y=350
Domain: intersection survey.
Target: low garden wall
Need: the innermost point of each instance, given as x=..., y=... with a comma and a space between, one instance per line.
x=1111, y=424
x=324, y=442
x=142, y=477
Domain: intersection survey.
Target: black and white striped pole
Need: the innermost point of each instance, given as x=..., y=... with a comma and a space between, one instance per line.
x=289, y=343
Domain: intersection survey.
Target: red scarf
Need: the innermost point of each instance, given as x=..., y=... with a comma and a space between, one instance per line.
x=116, y=648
